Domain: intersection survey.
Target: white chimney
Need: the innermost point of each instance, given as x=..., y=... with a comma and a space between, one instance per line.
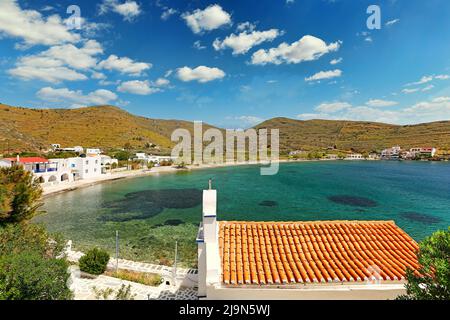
x=208, y=247
x=210, y=215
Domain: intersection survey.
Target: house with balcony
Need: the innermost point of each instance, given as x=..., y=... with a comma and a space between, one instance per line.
x=248, y=260
x=47, y=172
x=391, y=153
x=422, y=152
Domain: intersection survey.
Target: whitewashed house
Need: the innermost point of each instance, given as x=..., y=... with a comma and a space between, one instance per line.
x=154, y=159
x=354, y=156
x=93, y=152
x=86, y=168
x=47, y=172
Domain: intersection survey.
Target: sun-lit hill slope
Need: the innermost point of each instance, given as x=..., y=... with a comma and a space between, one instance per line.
x=359, y=135
x=102, y=126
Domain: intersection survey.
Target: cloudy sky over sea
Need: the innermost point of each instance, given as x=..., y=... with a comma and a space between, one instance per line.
x=230, y=63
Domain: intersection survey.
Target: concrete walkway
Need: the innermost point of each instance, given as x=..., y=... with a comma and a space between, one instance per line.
x=181, y=287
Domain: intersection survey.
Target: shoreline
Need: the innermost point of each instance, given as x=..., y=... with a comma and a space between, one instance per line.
x=62, y=188
x=110, y=177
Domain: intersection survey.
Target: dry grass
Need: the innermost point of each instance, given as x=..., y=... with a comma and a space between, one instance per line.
x=149, y=279
x=110, y=127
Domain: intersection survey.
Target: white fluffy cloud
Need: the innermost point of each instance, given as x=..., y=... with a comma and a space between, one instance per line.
x=198, y=45
x=426, y=79
x=46, y=72
x=211, y=18
x=57, y=63
x=77, y=98
x=380, y=103
x=407, y=91
x=167, y=13
x=324, y=75
x=124, y=65
x=427, y=111
x=162, y=82
x=128, y=9
x=201, y=74
x=392, y=22
x=32, y=27
x=308, y=48
x=137, y=87
x=332, y=107
x=244, y=41
x=336, y=61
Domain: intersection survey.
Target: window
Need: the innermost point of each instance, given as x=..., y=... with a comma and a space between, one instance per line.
x=96, y=161
x=95, y=170
x=86, y=171
x=87, y=162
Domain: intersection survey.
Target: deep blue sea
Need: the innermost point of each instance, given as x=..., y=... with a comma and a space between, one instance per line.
x=153, y=212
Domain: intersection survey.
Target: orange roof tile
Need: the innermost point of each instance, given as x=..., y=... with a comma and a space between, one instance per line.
x=316, y=251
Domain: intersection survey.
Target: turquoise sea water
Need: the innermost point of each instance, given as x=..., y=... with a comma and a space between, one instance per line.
x=151, y=213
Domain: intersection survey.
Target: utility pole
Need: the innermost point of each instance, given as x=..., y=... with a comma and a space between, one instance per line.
x=117, y=250
x=175, y=264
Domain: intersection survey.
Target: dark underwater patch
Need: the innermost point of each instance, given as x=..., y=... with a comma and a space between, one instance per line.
x=268, y=203
x=145, y=204
x=169, y=222
x=353, y=201
x=420, y=217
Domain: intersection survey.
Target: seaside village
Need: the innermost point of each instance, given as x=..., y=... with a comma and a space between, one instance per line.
x=254, y=260
x=393, y=153
x=76, y=164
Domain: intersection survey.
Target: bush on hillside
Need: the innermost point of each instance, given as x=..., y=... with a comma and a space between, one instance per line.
x=30, y=276
x=432, y=280
x=32, y=264
x=94, y=261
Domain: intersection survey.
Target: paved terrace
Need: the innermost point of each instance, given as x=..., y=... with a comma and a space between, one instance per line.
x=184, y=288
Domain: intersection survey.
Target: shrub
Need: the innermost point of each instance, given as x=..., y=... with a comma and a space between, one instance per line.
x=29, y=276
x=432, y=280
x=94, y=261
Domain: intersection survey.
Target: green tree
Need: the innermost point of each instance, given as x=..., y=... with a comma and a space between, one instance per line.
x=20, y=195
x=122, y=155
x=32, y=264
x=432, y=280
x=29, y=276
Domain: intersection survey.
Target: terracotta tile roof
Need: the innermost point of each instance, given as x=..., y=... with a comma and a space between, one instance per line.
x=318, y=251
x=29, y=160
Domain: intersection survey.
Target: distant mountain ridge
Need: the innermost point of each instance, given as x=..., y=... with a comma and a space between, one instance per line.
x=108, y=127
x=357, y=135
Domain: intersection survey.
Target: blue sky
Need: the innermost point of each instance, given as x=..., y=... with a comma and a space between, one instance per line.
x=231, y=63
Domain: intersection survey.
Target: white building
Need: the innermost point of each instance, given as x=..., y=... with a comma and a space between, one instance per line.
x=86, y=168
x=77, y=149
x=354, y=156
x=245, y=260
x=391, y=153
x=107, y=162
x=422, y=152
x=154, y=159
x=93, y=151
x=47, y=172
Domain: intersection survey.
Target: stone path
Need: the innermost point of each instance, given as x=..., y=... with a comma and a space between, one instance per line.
x=83, y=288
x=183, y=288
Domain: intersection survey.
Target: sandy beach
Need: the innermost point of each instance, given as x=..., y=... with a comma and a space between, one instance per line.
x=65, y=187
